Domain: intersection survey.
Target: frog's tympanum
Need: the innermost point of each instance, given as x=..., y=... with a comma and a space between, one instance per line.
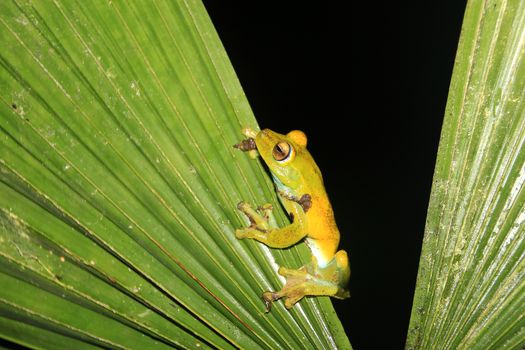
x=301, y=191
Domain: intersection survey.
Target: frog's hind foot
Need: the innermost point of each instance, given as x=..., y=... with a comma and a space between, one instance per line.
x=269, y=298
x=299, y=283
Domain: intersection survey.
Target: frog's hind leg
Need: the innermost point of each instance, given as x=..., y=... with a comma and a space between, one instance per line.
x=311, y=280
x=285, y=272
x=295, y=290
x=309, y=288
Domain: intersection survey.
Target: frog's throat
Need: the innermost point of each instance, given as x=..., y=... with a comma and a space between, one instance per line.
x=282, y=187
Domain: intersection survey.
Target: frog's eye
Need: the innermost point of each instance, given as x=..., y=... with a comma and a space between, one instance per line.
x=282, y=151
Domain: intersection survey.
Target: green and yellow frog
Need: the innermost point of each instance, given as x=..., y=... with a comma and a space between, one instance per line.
x=300, y=188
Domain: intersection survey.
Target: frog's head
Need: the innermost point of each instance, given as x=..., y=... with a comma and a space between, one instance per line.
x=286, y=156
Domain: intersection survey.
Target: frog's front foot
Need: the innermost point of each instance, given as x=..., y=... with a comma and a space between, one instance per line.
x=248, y=145
x=259, y=220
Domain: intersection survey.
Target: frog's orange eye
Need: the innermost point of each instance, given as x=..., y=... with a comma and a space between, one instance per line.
x=282, y=151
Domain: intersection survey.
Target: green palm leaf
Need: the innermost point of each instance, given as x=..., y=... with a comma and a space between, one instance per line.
x=470, y=292
x=119, y=183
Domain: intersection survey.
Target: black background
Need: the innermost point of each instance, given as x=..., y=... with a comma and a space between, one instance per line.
x=368, y=84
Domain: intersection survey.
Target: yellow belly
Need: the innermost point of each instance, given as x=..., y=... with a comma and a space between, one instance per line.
x=323, y=234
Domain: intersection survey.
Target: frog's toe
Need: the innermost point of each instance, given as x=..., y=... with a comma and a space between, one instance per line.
x=240, y=233
x=258, y=218
x=269, y=298
x=243, y=206
x=342, y=294
x=266, y=206
x=249, y=132
x=265, y=210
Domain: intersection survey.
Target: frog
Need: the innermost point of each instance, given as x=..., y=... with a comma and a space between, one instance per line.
x=301, y=191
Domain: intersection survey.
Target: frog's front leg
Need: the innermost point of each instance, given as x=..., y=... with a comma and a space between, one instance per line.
x=263, y=230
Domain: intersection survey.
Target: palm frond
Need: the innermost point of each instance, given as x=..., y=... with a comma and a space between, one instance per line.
x=470, y=292
x=119, y=183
